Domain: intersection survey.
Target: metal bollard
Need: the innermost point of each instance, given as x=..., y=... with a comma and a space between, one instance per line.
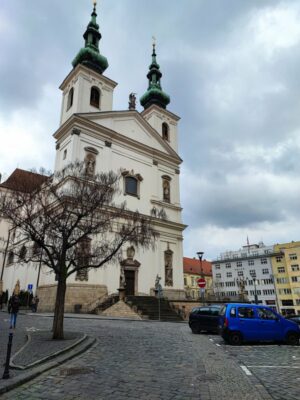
x=9, y=345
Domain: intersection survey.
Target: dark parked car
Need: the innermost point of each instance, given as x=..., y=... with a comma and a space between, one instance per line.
x=251, y=323
x=295, y=318
x=204, y=318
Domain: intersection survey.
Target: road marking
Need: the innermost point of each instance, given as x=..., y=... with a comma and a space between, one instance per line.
x=217, y=344
x=246, y=370
x=211, y=340
x=273, y=366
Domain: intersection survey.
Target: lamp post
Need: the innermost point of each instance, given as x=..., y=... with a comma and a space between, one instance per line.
x=202, y=290
x=253, y=276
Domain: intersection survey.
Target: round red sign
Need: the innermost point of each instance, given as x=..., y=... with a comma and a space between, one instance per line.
x=201, y=282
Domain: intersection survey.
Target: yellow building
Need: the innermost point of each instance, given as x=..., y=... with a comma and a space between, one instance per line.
x=286, y=271
x=193, y=270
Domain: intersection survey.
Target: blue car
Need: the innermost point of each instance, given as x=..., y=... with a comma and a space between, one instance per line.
x=240, y=323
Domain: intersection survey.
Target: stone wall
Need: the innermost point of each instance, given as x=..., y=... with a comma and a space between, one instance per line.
x=77, y=293
x=185, y=307
x=171, y=294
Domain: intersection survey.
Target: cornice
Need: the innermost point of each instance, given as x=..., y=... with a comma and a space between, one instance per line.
x=166, y=205
x=161, y=111
x=88, y=71
x=93, y=129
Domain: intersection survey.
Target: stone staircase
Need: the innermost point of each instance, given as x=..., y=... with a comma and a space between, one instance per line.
x=147, y=308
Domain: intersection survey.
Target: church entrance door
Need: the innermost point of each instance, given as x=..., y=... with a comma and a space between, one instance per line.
x=130, y=282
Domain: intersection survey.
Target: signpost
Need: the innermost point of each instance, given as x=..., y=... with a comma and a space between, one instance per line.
x=202, y=283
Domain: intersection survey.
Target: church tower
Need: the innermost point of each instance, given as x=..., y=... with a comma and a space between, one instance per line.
x=86, y=89
x=155, y=102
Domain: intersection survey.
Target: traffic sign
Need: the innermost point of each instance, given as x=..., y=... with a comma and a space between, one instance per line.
x=30, y=286
x=201, y=282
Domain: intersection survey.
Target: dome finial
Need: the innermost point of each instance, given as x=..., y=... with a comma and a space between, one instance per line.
x=95, y=5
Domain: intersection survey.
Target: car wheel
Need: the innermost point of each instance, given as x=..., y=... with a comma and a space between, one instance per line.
x=235, y=338
x=292, y=339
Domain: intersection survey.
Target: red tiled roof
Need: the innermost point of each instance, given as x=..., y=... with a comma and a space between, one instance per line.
x=193, y=266
x=22, y=180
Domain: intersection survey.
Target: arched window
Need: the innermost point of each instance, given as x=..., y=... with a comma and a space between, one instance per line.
x=10, y=258
x=70, y=98
x=23, y=252
x=131, y=185
x=165, y=131
x=95, y=97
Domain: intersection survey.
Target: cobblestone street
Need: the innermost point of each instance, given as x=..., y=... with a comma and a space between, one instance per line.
x=152, y=360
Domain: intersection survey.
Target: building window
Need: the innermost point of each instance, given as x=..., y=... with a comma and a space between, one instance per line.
x=294, y=278
x=295, y=267
x=95, y=97
x=252, y=272
x=70, y=98
x=217, y=266
x=10, y=258
x=131, y=185
x=281, y=270
x=229, y=274
x=265, y=271
x=185, y=281
x=250, y=262
x=239, y=264
x=165, y=131
x=240, y=273
x=218, y=275
x=287, y=302
x=166, y=188
x=228, y=265
x=293, y=256
x=23, y=253
x=263, y=261
x=282, y=280
x=278, y=259
x=65, y=154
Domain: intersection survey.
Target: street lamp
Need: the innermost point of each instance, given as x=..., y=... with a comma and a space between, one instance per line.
x=200, y=256
x=253, y=276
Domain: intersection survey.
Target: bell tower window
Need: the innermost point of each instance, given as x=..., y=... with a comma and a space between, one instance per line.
x=95, y=97
x=70, y=98
x=165, y=131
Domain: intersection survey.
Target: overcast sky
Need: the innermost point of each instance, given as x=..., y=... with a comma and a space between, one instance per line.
x=232, y=69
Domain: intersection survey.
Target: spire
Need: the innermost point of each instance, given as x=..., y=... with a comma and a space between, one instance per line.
x=154, y=93
x=90, y=55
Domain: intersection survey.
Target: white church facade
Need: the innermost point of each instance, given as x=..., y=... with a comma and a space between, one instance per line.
x=143, y=147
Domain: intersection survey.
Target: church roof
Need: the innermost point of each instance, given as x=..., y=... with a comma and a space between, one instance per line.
x=23, y=180
x=193, y=266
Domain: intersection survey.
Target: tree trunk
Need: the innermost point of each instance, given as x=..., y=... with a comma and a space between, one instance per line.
x=58, y=321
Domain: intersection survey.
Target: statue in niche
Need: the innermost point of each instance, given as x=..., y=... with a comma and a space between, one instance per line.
x=90, y=164
x=82, y=275
x=169, y=267
x=130, y=253
x=166, y=190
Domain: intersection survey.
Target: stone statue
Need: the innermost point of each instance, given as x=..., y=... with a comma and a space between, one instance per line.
x=166, y=190
x=157, y=284
x=132, y=101
x=130, y=253
x=122, y=278
x=90, y=163
x=168, y=268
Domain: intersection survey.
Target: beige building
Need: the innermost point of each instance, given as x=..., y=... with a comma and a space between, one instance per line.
x=193, y=270
x=286, y=271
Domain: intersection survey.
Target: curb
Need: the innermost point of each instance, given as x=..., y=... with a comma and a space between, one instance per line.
x=18, y=380
x=44, y=359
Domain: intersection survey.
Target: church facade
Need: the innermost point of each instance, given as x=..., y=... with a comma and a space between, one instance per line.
x=143, y=148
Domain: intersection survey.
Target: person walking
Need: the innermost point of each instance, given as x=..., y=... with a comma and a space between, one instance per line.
x=36, y=302
x=14, y=304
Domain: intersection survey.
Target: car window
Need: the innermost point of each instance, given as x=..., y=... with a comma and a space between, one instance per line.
x=265, y=313
x=222, y=311
x=204, y=311
x=195, y=309
x=246, y=312
x=233, y=312
x=215, y=310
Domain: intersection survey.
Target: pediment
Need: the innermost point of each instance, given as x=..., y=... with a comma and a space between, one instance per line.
x=132, y=125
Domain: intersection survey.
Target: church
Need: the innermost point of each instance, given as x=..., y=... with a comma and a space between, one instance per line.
x=144, y=147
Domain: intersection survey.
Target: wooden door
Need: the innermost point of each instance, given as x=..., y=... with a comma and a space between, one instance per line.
x=130, y=283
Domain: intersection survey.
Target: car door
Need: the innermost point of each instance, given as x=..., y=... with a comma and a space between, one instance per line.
x=247, y=322
x=270, y=324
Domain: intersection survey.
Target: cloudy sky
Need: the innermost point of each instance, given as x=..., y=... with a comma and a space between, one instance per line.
x=232, y=69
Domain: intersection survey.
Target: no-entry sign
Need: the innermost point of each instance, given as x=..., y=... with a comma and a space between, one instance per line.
x=201, y=282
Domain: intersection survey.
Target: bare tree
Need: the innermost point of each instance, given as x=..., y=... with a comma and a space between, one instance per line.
x=72, y=224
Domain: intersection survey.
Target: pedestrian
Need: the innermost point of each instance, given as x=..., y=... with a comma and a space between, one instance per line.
x=33, y=305
x=36, y=299
x=14, y=304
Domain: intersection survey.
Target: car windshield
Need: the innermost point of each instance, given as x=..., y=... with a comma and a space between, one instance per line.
x=223, y=310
